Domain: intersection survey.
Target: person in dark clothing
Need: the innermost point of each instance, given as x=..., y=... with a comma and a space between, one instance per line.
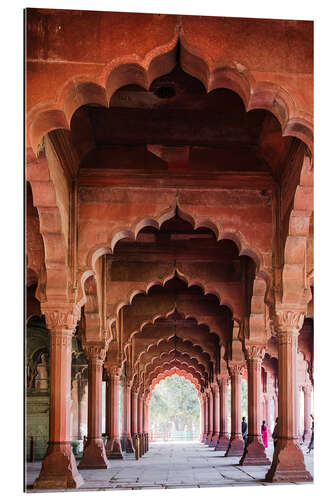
x=244, y=429
x=310, y=447
x=275, y=431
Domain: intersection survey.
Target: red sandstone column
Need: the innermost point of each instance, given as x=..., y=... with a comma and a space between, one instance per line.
x=107, y=408
x=59, y=467
x=146, y=422
x=307, y=411
x=288, y=460
x=202, y=422
x=216, y=414
x=254, y=451
x=298, y=426
x=126, y=431
x=94, y=456
x=140, y=422
x=268, y=399
x=83, y=406
x=134, y=411
x=223, y=441
x=204, y=417
x=113, y=447
x=75, y=410
x=210, y=415
x=236, y=443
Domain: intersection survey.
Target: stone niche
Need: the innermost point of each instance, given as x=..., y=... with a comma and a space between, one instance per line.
x=37, y=424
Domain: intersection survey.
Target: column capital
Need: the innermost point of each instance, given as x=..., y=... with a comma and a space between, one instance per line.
x=236, y=368
x=223, y=377
x=112, y=369
x=287, y=320
x=61, y=316
x=255, y=352
x=214, y=386
x=95, y=352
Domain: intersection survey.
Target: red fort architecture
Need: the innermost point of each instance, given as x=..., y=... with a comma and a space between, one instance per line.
x=169, y=230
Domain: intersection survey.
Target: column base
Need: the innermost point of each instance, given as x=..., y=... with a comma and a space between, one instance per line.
x=214, y=440
x=59, y=470
x=254, y=452
x=113, y=449
x=128, y=444
x=204, y=437
x=235, y=447
x=288, y=463
x=209, y=437
x=222, y=442
x=94, y=456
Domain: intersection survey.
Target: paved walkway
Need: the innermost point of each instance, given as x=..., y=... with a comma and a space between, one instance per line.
x=172, y=465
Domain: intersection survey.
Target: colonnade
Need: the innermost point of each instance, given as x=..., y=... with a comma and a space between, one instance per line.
x=59, y=468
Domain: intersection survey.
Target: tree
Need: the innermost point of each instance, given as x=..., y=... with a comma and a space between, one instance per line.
x=175, y=400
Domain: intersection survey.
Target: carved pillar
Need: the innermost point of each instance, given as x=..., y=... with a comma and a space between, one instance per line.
x=223, y=441
x=83, y=407
x=288, y=461
x=204, y=418
x=210, y=415
x=140, y=421
x=59, y=467
x=134, y=411
x=236, y=442
x=94, y=456
x=307, y=411
x=216, y=414
x=254, y=451
x=276, y=407
x=113, y=447
x=107, y=408
x=146, y=422
x=202, y=422
x=140, y=410
x=126, y=431
x=268, y=419
x=75, y=410
x=298, y=420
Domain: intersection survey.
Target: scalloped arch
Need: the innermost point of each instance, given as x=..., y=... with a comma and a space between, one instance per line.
x=230, y=74
x=149, y=221
x=175, y=371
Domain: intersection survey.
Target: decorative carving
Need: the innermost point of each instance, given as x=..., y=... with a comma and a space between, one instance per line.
x=62, y=319
x=113, y=370
x=61, y=339
x=288, y=337
x=95, y=352
x=236, y=369
x=255, y=352
x=285, y=320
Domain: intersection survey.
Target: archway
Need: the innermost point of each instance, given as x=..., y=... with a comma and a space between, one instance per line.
x=174, y=410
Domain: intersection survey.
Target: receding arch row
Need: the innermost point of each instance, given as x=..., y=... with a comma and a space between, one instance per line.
x=183, y=337
x=131, y=233
x=153, y=354
x=174, y=371
x=80, y=90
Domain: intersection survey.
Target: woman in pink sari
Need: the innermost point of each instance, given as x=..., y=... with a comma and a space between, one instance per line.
x=264, y=433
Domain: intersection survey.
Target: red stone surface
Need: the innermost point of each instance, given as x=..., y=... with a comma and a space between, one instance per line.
x=170, y=203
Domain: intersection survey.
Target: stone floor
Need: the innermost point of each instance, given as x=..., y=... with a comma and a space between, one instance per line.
x=172, y=465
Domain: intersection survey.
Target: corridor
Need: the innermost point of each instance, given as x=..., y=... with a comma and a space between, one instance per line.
x=173, y=465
